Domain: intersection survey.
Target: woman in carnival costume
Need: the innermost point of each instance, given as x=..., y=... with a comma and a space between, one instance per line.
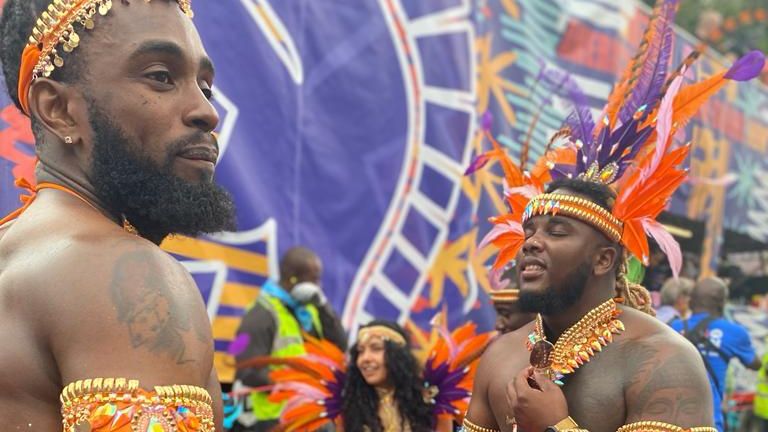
x=383, y=389
x=381, y=386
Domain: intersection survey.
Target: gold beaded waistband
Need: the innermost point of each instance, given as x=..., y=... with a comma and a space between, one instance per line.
x=468, y=426
x=119, y=404
x=656, y=426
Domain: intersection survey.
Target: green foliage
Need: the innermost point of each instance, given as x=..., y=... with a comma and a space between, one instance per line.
x=743, y=37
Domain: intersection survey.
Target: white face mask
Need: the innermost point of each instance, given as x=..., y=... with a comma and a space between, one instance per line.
x=308, y=292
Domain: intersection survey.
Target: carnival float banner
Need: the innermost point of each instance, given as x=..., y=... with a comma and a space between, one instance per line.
x=346, y=126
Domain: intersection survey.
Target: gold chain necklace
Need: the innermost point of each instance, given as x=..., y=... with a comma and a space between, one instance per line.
x=578, y=344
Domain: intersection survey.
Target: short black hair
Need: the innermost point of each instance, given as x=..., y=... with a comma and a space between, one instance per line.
x=598, y=193
x=16, y=23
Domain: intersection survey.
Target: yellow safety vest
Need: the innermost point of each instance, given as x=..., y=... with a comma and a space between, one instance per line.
x=761, y=396
x=287, y=343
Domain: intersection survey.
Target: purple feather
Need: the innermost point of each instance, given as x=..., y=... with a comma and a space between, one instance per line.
x=626, y=159
x=477, y=164
x=747, y=67
x=653, y=74
x=580, y=120
x=623, y=137
x=561, y=171
x=334, y=403
x=452, y=394
x=606, y=155
x=588, y=153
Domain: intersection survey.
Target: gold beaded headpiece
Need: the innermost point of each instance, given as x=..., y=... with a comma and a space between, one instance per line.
x=576, y=207
x=381, y=332
x=54, y=30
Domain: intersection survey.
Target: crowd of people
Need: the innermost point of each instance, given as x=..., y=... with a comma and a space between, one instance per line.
x=118, y=94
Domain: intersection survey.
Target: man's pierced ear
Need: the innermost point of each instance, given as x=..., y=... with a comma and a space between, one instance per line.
x=51, y=105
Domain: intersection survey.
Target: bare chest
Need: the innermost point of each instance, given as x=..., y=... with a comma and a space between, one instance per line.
x=594, y=393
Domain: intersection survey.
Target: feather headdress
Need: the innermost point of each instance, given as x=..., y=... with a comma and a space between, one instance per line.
x=629, y=148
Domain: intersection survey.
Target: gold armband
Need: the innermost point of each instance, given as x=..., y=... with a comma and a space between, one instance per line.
x=468, y=426
x=566, y=425
x=656, y=426
x=120, y=405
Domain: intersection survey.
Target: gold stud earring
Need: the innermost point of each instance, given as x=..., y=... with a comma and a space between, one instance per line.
x=68, y=139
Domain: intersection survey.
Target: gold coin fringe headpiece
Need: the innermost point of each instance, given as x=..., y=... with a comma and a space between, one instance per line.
x=382, y=332
x=54, y=30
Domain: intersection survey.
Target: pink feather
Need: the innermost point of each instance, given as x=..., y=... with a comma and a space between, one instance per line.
x=494, y=277
x=666, y=242
x=498, y=230
x=439, y=322
x=322, y=360
x=528, y=191
x=663, y=126
x=297, y=401
x=303, y=390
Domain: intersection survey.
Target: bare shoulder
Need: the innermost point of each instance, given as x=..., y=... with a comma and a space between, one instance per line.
x=503, y=359
x=502, y=350
x=125, y=307
x=665, y=379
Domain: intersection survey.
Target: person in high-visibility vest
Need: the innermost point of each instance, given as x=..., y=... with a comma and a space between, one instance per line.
x=760, y=420
x=273, y=326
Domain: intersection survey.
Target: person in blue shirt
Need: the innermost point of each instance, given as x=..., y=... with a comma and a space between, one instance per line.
x=718, y=339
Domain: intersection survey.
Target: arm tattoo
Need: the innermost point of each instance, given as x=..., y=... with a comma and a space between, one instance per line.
x=145, y=304
x=663, y=387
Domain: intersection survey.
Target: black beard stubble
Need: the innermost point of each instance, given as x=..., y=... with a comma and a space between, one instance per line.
x=153, y=199
x=554, y=301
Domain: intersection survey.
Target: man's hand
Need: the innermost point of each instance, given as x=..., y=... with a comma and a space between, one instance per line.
x=535, y=409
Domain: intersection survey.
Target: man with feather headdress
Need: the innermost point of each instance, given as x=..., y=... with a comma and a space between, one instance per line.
x=596, y=359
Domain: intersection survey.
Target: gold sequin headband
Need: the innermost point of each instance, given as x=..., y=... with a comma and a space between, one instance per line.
x=382, y=332
x=56, y=28
x=578, y=208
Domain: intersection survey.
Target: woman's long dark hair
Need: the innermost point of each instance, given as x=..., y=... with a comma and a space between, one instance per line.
x=361, y=402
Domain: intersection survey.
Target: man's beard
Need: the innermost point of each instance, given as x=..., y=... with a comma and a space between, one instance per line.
x=554, y=301
x=154, y=200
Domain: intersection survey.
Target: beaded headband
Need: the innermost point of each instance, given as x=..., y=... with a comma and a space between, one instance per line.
x=505, y=296
x=56, y=28
x=578, y=208
x=381, y=332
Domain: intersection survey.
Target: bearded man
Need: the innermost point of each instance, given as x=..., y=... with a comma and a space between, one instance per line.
x=100, y=327
x=567, y=270
x=596, y=359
